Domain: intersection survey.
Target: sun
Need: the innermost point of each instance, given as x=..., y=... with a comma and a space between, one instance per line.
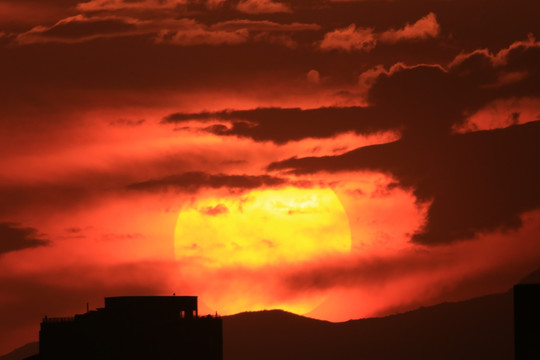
x=243, y=239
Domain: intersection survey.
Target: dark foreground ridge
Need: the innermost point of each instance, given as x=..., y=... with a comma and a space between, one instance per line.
x=134, y=327
x=480, y=328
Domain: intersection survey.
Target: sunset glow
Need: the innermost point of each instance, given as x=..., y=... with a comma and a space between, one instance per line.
x=336, y=159
x=260, y=231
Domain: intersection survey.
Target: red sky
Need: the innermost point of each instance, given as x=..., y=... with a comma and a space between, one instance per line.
x=339, y=159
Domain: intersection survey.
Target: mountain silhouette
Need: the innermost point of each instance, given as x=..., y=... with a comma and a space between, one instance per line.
x=23, y=352
x=481, y=328
x=532, y=278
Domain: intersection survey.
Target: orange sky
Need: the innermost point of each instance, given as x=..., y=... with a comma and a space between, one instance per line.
x=339, y=159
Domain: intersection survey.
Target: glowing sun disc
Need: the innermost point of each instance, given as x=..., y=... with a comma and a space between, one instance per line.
x=263, y=229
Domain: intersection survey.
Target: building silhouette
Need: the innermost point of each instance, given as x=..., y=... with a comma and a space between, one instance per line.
x=527, y=321
x=134, y=327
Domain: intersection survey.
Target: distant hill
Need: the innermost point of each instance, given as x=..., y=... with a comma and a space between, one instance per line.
x=22, y=352
x=481, y=328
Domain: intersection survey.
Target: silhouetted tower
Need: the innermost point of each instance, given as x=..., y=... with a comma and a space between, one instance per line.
x=527, y=321
x=134, y=327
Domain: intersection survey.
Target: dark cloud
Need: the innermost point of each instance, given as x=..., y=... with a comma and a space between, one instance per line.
x=475, y=182
x=426, y=101
x=177, y=31
x=283, y=125
x=419, y=101
x=14, y=237
x=88, y=27
x=191, y=181
x=79, y=28
x=34, y=200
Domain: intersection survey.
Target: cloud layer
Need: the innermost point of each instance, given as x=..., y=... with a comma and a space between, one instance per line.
x=474, y=182
x=352, y=38
x=192, y=181
x=15, y=237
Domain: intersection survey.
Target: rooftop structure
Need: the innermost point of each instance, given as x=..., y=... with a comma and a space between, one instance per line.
x=134, y=327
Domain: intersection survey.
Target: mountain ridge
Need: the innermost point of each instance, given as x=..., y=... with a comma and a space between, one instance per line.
x=481, y=327
x=472, y=329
